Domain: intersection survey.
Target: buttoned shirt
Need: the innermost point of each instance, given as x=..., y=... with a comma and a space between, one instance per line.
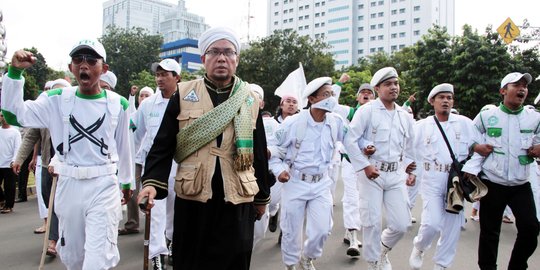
x=391, y=132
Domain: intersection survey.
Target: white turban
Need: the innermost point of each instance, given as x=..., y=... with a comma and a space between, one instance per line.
x=109, y=78
x=61, y=83
x=214, y=34
x=146, y=89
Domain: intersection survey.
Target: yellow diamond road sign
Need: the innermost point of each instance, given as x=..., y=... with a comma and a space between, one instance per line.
x=508, y=31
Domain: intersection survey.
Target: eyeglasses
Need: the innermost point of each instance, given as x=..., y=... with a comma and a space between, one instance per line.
x=88, y=58
x=215, y=52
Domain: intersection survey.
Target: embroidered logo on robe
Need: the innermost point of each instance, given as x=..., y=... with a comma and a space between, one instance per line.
x=191, y=96
x=493, y=120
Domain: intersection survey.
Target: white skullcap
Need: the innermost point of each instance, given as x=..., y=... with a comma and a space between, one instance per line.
x=365, y=86
x=214, y=34
x=109, y=78
x=314, y=85
x=61, y=82
x=514, y=77
x=257, y=89
x=92, y=44
x=444, y=87
x=146, y=89
x=382, y=75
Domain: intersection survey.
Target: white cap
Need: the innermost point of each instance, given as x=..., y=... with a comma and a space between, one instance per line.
x=441, y=88
x=168, y=65
x=91, y=44
x=514, y=77
x=365, y=86
x=314, y=85
x=382, y=75
x=217, y=33
x=146, y=89
x=60, y=82
x=257, y=89
x=109, y=78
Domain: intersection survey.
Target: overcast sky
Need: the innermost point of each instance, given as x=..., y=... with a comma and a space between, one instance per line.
x=53, y=26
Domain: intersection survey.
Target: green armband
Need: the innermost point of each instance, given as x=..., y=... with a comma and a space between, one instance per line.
x=15, y=73
x=126, y=186
x=340, y=84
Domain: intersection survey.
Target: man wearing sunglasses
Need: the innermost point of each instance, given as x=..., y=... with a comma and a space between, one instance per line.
x=89, y=131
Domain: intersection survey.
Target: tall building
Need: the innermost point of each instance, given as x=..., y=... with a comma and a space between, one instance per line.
x=179, y=28
x=357, y=28
x=180, y=24
x=146, y=14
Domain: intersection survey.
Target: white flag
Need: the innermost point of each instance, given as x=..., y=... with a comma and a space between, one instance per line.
x=294, y=85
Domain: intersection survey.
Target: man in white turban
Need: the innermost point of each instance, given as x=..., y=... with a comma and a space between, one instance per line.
x=213, y=129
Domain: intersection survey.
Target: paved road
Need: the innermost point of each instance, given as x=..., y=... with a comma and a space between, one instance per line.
x=20, y=249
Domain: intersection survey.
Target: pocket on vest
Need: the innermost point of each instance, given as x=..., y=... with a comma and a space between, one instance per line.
x=187, y=182
x=248, y=183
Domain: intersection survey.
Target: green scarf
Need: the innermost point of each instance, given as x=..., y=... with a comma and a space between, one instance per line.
x=207, y=127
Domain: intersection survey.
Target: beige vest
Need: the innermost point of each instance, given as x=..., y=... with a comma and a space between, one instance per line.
x=194, y=174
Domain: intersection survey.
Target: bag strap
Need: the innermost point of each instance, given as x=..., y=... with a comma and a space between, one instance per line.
x=454, y=160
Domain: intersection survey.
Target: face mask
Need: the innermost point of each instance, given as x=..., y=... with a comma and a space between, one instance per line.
x=327, y=104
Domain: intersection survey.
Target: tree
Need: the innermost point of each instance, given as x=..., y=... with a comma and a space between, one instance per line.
x=267, y=62
x=35, y=76
x=129, y=52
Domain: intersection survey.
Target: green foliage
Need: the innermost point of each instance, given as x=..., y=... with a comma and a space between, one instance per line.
x=349, y=89
x=35, y=76
x=142, y=79
x=267, y=62
x=130, y=51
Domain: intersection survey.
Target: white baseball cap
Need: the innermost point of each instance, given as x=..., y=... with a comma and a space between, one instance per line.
x=168, y=65
x=92, y=44
x=147, y=90
x=514, y=77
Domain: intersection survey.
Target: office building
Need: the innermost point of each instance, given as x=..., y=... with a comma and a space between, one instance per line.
x=357, y=28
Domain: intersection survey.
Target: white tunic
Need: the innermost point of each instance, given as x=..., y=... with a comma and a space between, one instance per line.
x=11, y=141
x=511, y=134
x=92, y=142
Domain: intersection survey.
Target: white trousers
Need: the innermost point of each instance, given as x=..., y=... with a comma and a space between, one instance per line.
x=412, y=191
x=88, y=213
x=42, y=209
x=275, y=200
x=436, y=221
x=260, y=227
x=387, y=190
x=351, y=197
x=312, y=201
x=162, y=220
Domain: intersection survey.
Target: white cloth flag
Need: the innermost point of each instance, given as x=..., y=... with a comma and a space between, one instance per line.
x=294, y=85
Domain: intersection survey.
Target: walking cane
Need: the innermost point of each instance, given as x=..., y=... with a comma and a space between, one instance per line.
x=143, y=204
x=48, y=229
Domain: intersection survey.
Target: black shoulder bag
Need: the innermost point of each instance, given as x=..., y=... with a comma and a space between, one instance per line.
x=465, y=187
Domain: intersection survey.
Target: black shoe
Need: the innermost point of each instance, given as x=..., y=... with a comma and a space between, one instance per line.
x=157, y=263
x=20, y=200
x=272, y=222
x=170, y=255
